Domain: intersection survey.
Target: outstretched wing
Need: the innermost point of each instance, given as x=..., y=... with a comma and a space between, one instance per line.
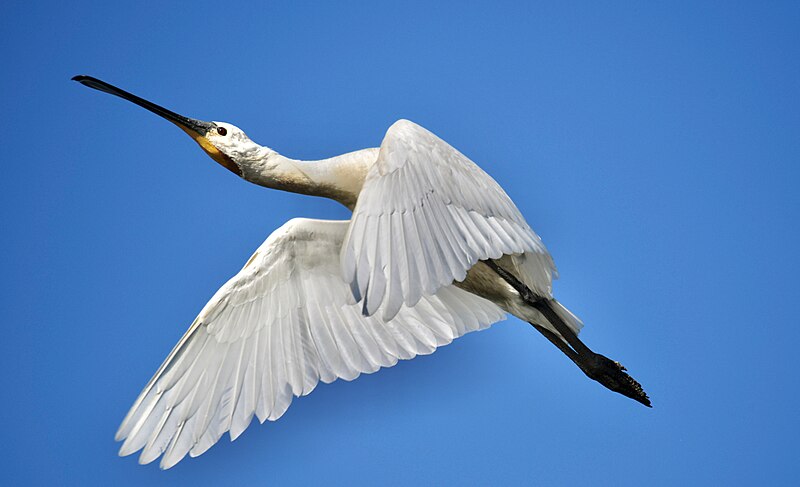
x=277, y=328
x=425, y=215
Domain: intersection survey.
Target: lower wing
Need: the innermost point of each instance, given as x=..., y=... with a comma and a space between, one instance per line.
x=286, y=321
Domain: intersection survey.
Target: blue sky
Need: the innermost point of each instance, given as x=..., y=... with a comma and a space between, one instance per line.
x=655, y=148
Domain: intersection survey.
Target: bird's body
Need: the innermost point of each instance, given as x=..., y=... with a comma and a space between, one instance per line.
x=435, y=249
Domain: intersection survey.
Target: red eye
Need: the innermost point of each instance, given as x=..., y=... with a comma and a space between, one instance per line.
x=221, y=131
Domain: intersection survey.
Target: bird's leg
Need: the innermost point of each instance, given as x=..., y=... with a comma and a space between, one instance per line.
x=609, y=373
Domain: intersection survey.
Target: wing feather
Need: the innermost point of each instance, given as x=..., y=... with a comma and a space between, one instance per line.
x=453, y=214
x=283, y=323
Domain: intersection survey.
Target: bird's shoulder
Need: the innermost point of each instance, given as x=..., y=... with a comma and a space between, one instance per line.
x=404, y=130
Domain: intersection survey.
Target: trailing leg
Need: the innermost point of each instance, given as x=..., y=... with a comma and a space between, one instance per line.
x=607, y=372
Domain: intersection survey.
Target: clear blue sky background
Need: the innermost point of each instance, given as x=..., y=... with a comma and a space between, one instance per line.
x=655, y=149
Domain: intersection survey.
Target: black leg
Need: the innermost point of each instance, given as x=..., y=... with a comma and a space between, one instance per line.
x=609, y=373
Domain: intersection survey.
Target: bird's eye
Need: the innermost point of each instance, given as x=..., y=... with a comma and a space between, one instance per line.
x=222, y=130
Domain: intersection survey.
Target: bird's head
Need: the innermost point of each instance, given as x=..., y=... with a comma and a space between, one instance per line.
x=223, y=142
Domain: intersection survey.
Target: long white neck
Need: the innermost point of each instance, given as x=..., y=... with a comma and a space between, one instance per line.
x=339, y=178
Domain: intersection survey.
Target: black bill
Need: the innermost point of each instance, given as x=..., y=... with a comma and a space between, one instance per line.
x=197, y=126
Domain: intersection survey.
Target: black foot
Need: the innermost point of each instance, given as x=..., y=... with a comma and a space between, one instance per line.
x=613, y=376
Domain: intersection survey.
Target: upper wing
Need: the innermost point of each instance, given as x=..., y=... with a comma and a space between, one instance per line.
x=272, y=332
x=425, y=215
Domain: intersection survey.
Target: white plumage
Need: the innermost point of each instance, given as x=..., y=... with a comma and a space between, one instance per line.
x=425, y=216
x=297, y=313
x=273, y=331
x=322, y=300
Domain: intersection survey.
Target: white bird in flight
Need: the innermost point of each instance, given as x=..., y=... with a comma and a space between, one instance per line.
x=435, y=249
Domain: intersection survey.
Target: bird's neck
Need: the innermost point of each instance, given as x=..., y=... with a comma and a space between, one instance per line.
x=339, y=178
